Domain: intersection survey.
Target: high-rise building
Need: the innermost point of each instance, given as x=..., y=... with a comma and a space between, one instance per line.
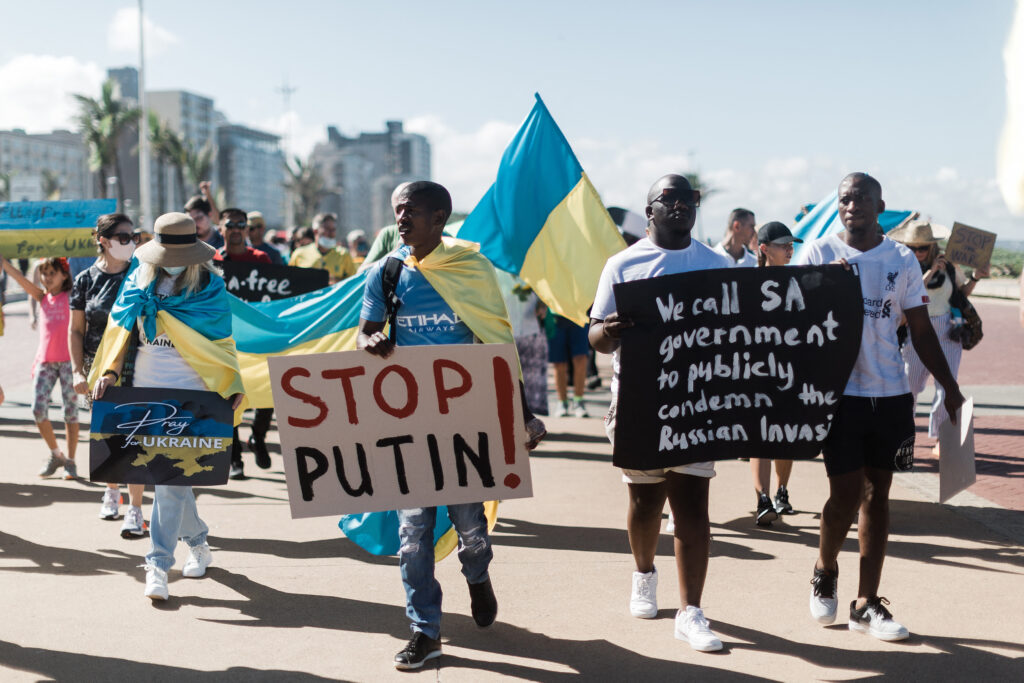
x=250, y=170
x=126, y=88
x=191, y=116
x=361, y=172
x=62, y=155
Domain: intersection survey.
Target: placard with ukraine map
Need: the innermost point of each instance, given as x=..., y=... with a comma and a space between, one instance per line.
x=172, y=437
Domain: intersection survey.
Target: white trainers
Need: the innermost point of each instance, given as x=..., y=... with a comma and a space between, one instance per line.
x=156, y=583
x=692, y=627
x=199, y=558
x=643, y=600
x=134, y=526
x=823, y=596
x=110, y=509
x=875, y=619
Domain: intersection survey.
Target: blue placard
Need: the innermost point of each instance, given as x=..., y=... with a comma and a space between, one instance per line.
x=76, y=213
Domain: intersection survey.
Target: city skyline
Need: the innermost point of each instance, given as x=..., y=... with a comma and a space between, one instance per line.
x=772, y=105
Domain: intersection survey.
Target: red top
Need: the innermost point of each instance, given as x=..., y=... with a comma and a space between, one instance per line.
x=250, y=256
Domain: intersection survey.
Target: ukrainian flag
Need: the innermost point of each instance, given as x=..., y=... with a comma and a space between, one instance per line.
x=543, y=220
x=317, y=322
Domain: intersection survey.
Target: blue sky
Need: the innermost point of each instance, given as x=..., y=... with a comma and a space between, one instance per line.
x=772, y=101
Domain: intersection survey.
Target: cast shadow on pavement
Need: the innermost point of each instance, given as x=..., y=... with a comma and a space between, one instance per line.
x=61, y=665
x=572, y=437
x=957, y=659
x=590, y=660
x=322, y=549
x=571, y=455
x=40, y=495
x=69, y=561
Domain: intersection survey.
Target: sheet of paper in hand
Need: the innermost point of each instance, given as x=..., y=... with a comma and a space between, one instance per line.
x=174, y=437
x=744, y=362
x=431, y=425
x=268, y=282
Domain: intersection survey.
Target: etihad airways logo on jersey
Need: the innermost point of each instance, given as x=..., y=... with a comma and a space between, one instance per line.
x=429, y=322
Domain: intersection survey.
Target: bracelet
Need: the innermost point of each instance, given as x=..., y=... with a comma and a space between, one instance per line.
x=973, y=278
x=114, y=373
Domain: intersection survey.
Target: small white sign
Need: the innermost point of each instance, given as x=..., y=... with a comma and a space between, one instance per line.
x=956, y=453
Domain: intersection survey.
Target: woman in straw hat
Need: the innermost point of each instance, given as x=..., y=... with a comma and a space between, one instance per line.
x=940, y=277
x=176, y=302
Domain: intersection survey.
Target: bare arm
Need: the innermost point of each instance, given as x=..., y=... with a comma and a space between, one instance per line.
x=371, y=338
x=606, y=335
x=108, y=378
x=206, y=188
x=926, y=343
x=978, y=273
x=76, y=345
x=33, y=291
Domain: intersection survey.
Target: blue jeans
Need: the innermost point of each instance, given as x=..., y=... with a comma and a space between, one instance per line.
x=416, y=559
x=174, y=516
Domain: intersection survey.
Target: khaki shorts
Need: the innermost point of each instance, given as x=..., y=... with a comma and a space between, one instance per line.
x=656, y=476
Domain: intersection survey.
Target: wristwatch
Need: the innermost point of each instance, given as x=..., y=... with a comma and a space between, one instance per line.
x=974, y=278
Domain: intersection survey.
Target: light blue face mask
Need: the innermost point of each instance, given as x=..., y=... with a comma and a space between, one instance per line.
x=174, y=270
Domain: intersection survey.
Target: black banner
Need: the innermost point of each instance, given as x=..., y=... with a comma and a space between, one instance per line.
x=743, y=362
x=172, y=437
x=266, y=282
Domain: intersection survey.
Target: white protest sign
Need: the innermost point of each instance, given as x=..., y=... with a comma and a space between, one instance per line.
x=431, y=425
x=956, y=449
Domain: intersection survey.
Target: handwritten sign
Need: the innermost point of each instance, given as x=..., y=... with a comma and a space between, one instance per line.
x=744, y=362
x=970, y=246
x=58, y=228
x=172, y=437
x=264, y=282
x=431, y=425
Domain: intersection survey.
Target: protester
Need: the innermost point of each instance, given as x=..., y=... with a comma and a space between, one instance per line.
x=233, y=229
x=774, y=248
x=940, y=278
x=567, y=342
x=872, y=433
x=257, y=227
x=200, y=208
x=358, y=246
x=739, y=233
x=300, y=237
x=52, y=361
x=92, y=297
x=325, y=252
x=668, y=249
x=175, y=276
x=421, y=210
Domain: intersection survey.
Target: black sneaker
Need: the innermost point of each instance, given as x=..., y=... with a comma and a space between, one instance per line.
x=874, y=619
x=766, y=513
x=782, y=505
x=483, y=603
x=418, y=650
x=237, y=470
x=259, y=449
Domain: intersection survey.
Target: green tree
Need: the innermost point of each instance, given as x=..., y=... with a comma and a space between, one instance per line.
x=306, y=186
x=5, y=186
x=51, y=185
x=198, y=163
x=697, y=183
x=168, y=152
x=102, y=122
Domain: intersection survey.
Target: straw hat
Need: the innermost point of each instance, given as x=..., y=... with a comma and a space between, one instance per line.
x=175, y=243
x=919, y=232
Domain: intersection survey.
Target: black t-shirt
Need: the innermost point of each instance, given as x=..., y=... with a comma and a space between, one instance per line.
x=95, y=293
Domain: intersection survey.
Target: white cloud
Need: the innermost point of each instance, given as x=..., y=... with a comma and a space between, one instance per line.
x=36, y=91
x=297, y=137
x=123, y=34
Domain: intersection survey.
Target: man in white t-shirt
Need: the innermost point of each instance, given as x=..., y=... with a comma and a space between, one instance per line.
x=872, y=434
x=738, y=234
x=671, y=209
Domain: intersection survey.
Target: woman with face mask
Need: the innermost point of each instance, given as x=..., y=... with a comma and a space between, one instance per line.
x=92, y=296
x=175, y=302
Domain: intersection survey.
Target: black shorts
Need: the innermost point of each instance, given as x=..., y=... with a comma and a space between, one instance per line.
x=871, y=432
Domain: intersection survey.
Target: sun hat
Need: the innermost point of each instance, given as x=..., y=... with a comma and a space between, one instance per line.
x=919, y=232
x=175, y=243
x=775, y=232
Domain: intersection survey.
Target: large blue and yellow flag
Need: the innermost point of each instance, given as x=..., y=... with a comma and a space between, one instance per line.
x=543, y=220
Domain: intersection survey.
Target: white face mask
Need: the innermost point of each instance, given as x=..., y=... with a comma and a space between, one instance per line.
x=174, y=270
x=121, y=252
x=327, y=242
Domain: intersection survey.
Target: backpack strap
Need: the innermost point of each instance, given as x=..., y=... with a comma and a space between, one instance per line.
x=951, y=274
x=389, y=279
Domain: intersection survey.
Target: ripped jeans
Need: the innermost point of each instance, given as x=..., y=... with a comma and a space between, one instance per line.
x=416, y=559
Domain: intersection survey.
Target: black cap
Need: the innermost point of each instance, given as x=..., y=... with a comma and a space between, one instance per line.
x=775, y=233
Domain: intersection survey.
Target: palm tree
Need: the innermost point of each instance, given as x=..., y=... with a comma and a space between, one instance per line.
x=5, y=186
x=51, y=185
x=169, y=151
x=198, y=163
x=102, y=122
x=697, y=183
x=307, y=189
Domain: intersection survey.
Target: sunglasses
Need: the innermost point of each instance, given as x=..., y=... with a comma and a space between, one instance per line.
x=125, y=237
x=231, y=225
x=671, y=198
x=921, y=248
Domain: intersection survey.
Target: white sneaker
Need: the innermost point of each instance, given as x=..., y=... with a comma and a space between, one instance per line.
x=876, y=620
x=692, y=627
x=823, y=596
x=110, y=509
x=643, y=600
x=580, y=410
x=134, y=525
x=156, y=583
x=562, y=410
x=199, y=558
